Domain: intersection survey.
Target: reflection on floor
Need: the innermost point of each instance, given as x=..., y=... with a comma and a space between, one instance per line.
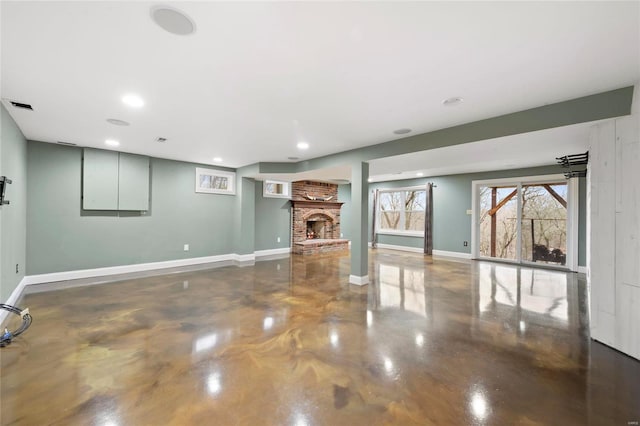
x=290, y=342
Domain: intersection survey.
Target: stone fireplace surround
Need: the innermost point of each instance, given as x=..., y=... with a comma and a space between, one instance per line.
x=305, y=211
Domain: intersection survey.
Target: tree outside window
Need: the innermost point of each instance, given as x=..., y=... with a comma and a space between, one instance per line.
x=402, y=210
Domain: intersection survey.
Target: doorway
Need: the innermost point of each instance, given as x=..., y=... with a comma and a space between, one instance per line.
x=526, y=220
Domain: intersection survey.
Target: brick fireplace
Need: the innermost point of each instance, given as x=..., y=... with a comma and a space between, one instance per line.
x=316, y=218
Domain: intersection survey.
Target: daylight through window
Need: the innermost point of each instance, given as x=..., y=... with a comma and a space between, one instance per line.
x=402, y=210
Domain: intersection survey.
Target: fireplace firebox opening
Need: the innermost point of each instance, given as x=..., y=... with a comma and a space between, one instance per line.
x=315, y=229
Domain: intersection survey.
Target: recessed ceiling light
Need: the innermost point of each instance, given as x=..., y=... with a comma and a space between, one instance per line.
x=293, y=158
x=419, y=174
x=112, y=142
x=456, y=100
x=402, y=131
x=134, y=101
x=172, y=20
x=302, y=145
x=217, y=159
x=117, y=122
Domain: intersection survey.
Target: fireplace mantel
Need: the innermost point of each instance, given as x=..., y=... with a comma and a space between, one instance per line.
x=317, y=204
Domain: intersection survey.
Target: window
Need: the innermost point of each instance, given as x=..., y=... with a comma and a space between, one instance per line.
x=215, y=181
x=402, y=211
x=276, y=189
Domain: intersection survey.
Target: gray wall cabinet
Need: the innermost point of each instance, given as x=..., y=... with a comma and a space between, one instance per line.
x=114, y=181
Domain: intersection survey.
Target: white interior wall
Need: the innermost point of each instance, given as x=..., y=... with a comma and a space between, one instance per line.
x=614, y=232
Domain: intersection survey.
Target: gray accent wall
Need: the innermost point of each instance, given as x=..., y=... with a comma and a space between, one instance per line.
x=452, y=199
x=63, y=237
x=13, y=227
x=273, y=220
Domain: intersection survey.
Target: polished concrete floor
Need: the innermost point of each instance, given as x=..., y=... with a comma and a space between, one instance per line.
x=289, y=342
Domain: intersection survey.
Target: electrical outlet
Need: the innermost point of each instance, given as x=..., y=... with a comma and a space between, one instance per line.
x=186, y=247
x=278, y=239
x=466, y=243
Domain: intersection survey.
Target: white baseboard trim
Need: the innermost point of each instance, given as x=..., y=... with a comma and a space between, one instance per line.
x=251, y=257
x=456, y=254
x=141, y=267
x=13, y=298
x=436, y=253
x=354, y=279
x=272, y=252
x=124, y=269
x=401, y=248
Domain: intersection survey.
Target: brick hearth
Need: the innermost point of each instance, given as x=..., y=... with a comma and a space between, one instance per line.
x=305, y=210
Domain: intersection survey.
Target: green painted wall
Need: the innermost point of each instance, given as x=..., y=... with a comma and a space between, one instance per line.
x=273, y=220
x=451, y=200
x=62, y=237
x=344, y=195
x=13, y=227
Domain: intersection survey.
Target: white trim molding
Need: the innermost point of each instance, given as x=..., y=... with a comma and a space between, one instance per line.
x=141, y=267
x=456, y=254
x=363, y=280
x=272, y=252
x=401, y=248
x=250, y=257
x=13, y=298
x=437, y=253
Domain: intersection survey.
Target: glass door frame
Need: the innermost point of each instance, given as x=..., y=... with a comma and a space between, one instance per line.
x=572, y=218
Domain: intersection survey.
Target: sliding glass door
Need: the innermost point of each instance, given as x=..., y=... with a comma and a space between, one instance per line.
x=499, y=221
x=544, y=223
x=526, y=220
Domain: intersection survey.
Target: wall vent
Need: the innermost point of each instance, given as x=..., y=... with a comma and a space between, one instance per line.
x=21, y=105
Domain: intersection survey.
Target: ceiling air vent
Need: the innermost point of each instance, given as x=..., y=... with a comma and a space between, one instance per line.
x=66, y=143
x=161, y=140
x=21, y=105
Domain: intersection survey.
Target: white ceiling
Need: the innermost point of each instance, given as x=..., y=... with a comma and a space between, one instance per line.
x=256, y=78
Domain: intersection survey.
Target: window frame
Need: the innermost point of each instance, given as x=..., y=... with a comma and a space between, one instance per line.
x=401, y=223
x=285, y=185
x=231, y=176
